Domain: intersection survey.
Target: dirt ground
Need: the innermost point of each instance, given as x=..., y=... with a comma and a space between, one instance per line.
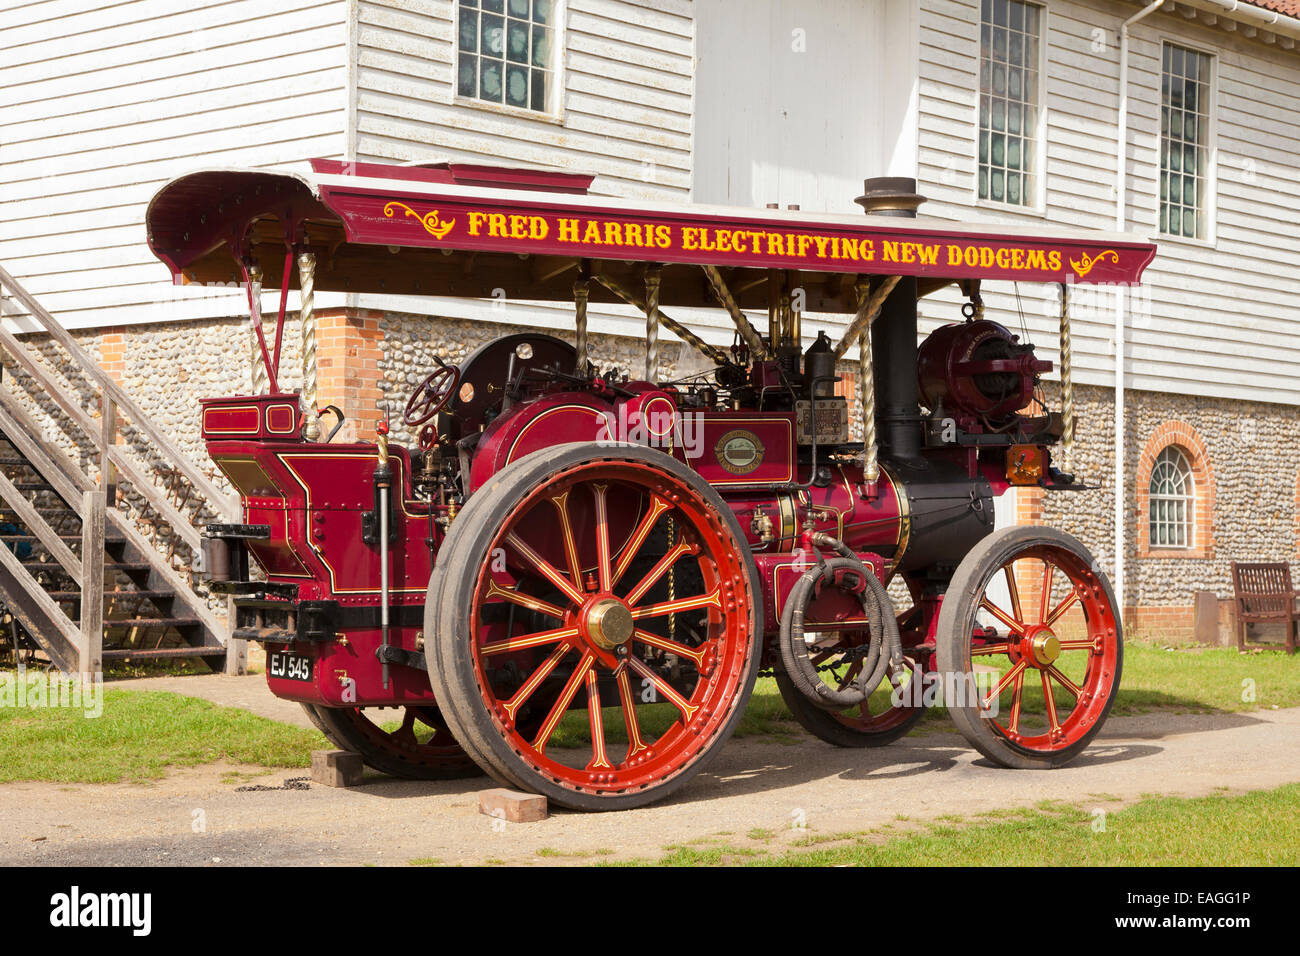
x=752, y=784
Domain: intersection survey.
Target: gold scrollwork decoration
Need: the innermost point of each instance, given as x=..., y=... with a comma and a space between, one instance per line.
x=1083, y=267
x=430, y=221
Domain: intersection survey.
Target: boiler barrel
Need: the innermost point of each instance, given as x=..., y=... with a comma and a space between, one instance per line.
x=945, y=512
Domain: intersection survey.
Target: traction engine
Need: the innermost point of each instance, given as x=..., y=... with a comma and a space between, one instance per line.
x=575, y=577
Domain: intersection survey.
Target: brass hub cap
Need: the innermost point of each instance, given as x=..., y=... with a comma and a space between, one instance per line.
x=1045, y=648
x=609, y=623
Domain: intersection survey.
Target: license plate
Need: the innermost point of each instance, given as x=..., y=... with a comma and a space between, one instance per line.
x=289, y=666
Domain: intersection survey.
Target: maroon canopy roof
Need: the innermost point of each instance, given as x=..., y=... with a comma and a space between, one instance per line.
x=464, y=230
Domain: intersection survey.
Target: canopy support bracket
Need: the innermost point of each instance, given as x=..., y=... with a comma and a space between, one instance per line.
x=713, y=353
x=868, y=311
x=747, y=331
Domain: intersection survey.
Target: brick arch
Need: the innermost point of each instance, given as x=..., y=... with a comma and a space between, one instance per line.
x=1184, y=437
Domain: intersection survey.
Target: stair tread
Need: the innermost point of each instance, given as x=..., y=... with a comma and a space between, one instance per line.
x=65, y=537
x=150, y=621
x=76, y=595
x=108, y=565
x=209, y=650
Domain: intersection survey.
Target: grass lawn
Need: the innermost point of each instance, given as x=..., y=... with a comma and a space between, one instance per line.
x=1254, y=829
x=1205, y=679
x=139, y=736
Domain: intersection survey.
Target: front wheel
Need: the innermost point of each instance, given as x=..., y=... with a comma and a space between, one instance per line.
x=593, y=613
x=1030, y=647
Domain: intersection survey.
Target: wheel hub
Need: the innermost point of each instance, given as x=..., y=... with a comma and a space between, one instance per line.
x=609, y=623
x=1044, y=648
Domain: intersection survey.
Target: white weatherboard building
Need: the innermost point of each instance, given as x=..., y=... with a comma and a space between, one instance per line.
x=1175, y=121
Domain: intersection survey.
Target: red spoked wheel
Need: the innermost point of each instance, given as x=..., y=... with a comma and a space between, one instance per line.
x=881, y=719
x=1030, y=639
x=594, y=618
x=417, y=745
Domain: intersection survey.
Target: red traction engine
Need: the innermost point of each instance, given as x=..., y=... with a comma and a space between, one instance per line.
x=575, y=578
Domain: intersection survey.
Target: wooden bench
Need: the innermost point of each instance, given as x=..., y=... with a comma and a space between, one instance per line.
x=1263, y=594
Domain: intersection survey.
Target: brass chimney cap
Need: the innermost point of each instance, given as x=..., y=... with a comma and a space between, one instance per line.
x=890, y=196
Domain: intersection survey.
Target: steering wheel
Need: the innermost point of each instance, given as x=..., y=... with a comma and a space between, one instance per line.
x=433, y=393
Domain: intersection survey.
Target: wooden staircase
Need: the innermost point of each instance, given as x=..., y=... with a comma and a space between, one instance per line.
x=122, y=527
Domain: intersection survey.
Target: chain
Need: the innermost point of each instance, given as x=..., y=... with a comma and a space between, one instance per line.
x=291, y=783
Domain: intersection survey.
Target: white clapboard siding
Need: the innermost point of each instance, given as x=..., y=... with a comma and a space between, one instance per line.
x=100, y=104
x=792, y=100
x=626, y=100
x=1216, y=318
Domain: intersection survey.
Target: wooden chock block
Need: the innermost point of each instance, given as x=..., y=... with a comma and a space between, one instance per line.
x=512, y=806
x=336, y=768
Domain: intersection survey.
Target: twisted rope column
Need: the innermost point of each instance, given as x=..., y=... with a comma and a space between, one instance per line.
x=581, y=290
x=307, y=287
x=867, y=378
x=1067, y=384
x=257, y=370
x=652, y=280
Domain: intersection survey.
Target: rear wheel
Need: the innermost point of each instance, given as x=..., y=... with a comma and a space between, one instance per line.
x=416, y=745
x=593, y=612
x=1030, y=637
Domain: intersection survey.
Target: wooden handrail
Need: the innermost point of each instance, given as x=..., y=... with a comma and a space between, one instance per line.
x=180, y=523
x=227, y=505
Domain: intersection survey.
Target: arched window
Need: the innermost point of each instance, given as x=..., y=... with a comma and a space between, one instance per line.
x=1171, y=500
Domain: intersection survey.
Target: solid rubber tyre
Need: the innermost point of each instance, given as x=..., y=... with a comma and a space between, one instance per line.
x=1102, y=646
x=462, y=574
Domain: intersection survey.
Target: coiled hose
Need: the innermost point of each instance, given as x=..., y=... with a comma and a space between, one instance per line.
x=885, y=646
